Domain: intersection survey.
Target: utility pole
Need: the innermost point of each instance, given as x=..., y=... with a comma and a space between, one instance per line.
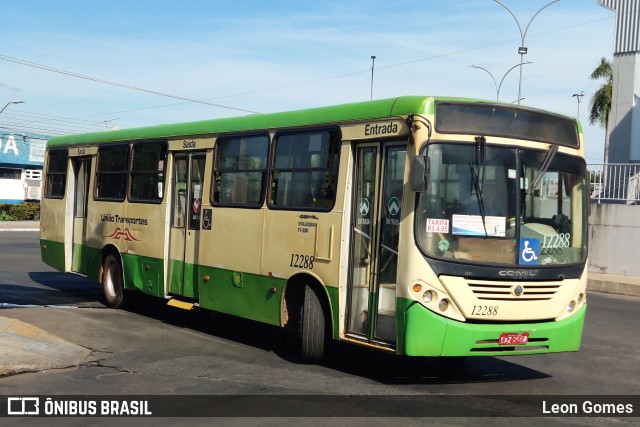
x=373, y=65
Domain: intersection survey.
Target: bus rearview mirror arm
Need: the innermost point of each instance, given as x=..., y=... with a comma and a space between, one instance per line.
x=420, y=172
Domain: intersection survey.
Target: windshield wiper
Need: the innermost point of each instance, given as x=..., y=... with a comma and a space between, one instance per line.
x=478, y=177
x=546, y=162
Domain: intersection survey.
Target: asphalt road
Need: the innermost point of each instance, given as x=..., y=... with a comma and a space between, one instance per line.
x=159, y=350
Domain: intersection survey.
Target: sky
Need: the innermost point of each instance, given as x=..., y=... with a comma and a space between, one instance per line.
x=90, y=65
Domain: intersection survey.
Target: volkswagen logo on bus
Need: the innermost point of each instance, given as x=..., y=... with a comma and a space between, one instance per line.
x=517, y=290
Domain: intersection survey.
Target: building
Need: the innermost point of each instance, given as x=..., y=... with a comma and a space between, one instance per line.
x=624, y=119
x=21, y=161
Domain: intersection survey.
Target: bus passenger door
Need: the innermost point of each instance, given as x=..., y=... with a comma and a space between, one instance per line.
x=377, y=198
x=82, y=173
x=188, y=184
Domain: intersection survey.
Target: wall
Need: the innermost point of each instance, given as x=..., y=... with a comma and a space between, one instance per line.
x=21, y=150
x=624, y=118
x=614, y=230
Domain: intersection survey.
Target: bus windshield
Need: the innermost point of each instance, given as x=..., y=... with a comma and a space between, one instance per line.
x=507, y=206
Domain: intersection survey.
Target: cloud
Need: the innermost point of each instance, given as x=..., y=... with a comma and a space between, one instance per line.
x=9, y=88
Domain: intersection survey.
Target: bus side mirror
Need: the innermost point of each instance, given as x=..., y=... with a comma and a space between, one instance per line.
x=420, y=174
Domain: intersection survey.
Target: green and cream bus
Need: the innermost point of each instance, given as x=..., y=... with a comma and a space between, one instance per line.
x=423, y=226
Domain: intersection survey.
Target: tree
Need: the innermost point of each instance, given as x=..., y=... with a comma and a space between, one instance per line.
x=600, y=103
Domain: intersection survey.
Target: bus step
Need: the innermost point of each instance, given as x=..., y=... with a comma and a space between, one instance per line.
x=180, y=304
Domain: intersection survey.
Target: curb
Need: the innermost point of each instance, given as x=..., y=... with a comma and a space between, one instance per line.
x=613, y=284
x=27, y=348
x=19, y=225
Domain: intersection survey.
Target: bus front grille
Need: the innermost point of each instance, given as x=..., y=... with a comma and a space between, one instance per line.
x=514, y=291
x=492, y=346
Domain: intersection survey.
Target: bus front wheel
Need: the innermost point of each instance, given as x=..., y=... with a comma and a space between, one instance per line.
x=312, y=327
x=112, y=282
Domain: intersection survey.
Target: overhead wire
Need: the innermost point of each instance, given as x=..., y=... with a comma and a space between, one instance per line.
x=112, y=83
x=62, y=125
x=45, y=117
x=367, y=71
x=205, y=101
x=44, y=130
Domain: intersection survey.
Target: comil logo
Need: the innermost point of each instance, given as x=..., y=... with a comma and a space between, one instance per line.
x=23, y=406
x=518, y=274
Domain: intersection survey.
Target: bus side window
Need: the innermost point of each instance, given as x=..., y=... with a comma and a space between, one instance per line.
x=305, y=170
x=112, y=172
x=240, y=170
x=147, y=171
x=56, y=174
x=180, y=179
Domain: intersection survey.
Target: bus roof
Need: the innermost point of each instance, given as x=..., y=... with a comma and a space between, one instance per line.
x=315, y=116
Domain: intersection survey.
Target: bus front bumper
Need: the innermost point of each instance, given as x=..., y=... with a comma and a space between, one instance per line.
x=428, y=334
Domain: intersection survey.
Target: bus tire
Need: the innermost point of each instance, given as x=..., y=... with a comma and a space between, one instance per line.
x=312, y=327
x=113, y=282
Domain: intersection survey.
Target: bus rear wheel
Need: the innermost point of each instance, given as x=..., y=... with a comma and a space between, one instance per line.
x=311, y=327
x=112, y=282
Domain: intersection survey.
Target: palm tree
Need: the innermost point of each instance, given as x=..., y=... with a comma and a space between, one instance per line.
x=600, y=103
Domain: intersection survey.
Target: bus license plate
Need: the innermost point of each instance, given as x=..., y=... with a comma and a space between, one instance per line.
x=514, y=338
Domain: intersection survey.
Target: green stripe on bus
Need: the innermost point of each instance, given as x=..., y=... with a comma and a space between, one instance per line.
x=143, y=273
x=447, y=337
x=369, y=110
x=315, y=116
x=251, y=296
x=52, y=253
x=334, y=301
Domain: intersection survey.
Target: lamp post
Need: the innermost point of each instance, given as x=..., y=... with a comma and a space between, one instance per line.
x=373, y=65
x=498, y=86
x=579, y=98
x=522, y=50
x=9, y=103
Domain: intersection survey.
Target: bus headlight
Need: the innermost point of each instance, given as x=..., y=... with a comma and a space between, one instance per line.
x=577, y=303
x=571, y=306
x=434, y=299
x=427, y=297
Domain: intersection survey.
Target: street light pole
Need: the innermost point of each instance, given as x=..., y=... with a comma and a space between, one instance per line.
x=579, y=98
x=9, y=103
x=522, y=50
x=373, y=65
x=498, y=86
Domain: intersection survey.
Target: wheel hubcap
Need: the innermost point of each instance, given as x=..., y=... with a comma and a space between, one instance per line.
x=109, y=281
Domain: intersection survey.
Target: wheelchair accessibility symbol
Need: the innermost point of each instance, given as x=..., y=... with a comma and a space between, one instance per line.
x=529, y=251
